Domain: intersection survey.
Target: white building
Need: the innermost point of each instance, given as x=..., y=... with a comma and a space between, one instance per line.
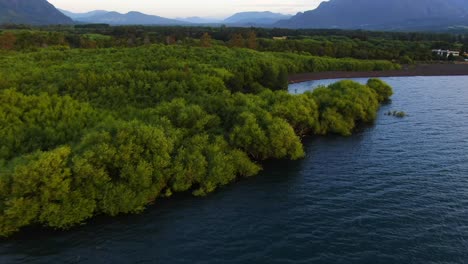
x=445, y=53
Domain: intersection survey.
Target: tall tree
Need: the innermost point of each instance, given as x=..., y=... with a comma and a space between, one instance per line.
x=7, y=41
x=205, y=40
x=236, y=41
x=252, y=40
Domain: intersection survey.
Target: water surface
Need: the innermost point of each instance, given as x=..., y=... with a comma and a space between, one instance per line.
x=395, y=192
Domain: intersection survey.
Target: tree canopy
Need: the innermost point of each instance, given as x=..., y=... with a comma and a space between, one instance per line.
x=85, y=132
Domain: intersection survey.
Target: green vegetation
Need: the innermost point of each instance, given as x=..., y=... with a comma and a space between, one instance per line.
x=85, y=132
x=399, y=114
x=402, y=47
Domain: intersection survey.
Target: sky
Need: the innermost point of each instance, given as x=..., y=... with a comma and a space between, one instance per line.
x=188, y=8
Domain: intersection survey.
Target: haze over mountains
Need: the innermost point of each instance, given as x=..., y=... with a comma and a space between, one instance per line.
x=78, y=16
x=133, y=17
x=200, y=20
x=114, y=18
x=345, y=14
x=258, y=18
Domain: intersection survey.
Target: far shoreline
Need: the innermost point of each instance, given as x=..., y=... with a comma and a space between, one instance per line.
x=407, y=71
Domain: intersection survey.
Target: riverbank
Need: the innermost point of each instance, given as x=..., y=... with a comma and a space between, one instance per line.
x=413, y=70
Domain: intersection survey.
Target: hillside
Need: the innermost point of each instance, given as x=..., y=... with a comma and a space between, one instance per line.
x=37, y=12
x=372, y=14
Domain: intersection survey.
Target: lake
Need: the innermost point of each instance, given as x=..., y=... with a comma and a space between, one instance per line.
x=394, y=192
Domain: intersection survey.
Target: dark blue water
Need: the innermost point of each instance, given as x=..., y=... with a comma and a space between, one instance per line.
x=395, y=192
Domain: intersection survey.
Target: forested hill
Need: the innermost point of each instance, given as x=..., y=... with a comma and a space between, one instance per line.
x=382, y=14
x=35, y=12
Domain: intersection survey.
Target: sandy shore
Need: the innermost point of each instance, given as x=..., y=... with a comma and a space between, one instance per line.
x=413, y=70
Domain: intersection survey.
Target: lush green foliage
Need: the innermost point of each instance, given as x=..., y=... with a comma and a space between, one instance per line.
x=109, y=131
x=343, y=104
x=404, y=47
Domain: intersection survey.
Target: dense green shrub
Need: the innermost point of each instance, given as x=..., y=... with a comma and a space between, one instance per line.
x=89, y=132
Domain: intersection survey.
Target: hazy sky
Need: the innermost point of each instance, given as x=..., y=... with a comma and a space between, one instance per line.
x=186, y=8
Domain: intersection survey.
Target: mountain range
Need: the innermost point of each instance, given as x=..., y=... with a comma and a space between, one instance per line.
x=35, y=12
x=255, y=18
x=77, y=16
x=382, y=14
x=136, y=18
x=417, y=15
x=200, y=20
x=115, y=18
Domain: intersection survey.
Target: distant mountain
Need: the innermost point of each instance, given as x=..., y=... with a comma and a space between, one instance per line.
x=259, y=18
x=200, y=20
x=381, y=14
x=76, y=16
x=130, y=18
x=34, y=12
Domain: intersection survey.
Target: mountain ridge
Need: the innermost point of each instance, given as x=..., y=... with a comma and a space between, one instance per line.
x=130, y=18
x=375, y=14
x=255, y=17
x=75, y=16
x=37, y=12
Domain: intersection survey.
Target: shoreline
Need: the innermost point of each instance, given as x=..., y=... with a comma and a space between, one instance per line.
x=407, y=71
